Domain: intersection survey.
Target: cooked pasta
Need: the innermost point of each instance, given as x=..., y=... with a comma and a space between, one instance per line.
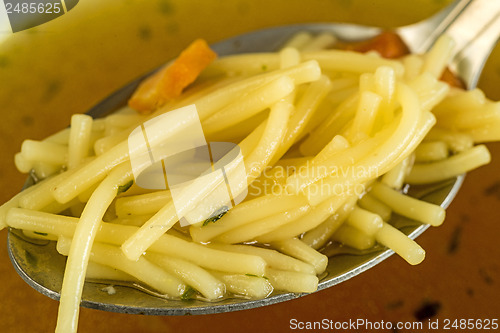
x=329, y=138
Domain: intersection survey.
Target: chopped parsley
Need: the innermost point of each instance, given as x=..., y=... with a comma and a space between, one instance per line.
x=217, y=215
x=144, y=33
x=125, y=187
x=188, y=293
x=4, y=61
x=41, y=233
x=253, y=275
x=166, y=7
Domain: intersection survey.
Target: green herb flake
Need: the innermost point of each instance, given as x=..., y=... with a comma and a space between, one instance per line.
x=53, y=87
x=41, y=233
x=219, y=213
x=124, y=188
x=188, y=293
x=253, y=275
x=166, y=7
x=144, y=33
x=4, y=61
x=264, y=68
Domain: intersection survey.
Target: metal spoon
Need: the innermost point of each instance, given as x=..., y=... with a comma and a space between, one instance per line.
x=474, y=24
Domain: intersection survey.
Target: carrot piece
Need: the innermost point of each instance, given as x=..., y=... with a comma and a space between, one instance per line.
x=146, y=97
x=169, y=82
x=388, y=44
x=452, y=79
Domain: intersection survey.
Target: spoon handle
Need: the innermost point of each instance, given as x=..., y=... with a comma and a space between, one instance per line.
x=473, y=24
x=476, y=34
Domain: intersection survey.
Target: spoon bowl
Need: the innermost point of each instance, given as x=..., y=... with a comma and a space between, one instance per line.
x=42, y=267
x=39, y=264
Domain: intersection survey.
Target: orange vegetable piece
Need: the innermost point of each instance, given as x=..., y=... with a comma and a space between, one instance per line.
x=388, y=44
x=169, y=82
x=452, y=79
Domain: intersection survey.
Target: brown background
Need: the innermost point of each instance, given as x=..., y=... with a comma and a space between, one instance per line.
x=69, y=64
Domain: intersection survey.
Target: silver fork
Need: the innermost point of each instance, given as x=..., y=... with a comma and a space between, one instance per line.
x=474, y=24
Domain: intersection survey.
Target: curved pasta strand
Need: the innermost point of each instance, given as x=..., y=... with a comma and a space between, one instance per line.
x=78, y=258
x=386, y=156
